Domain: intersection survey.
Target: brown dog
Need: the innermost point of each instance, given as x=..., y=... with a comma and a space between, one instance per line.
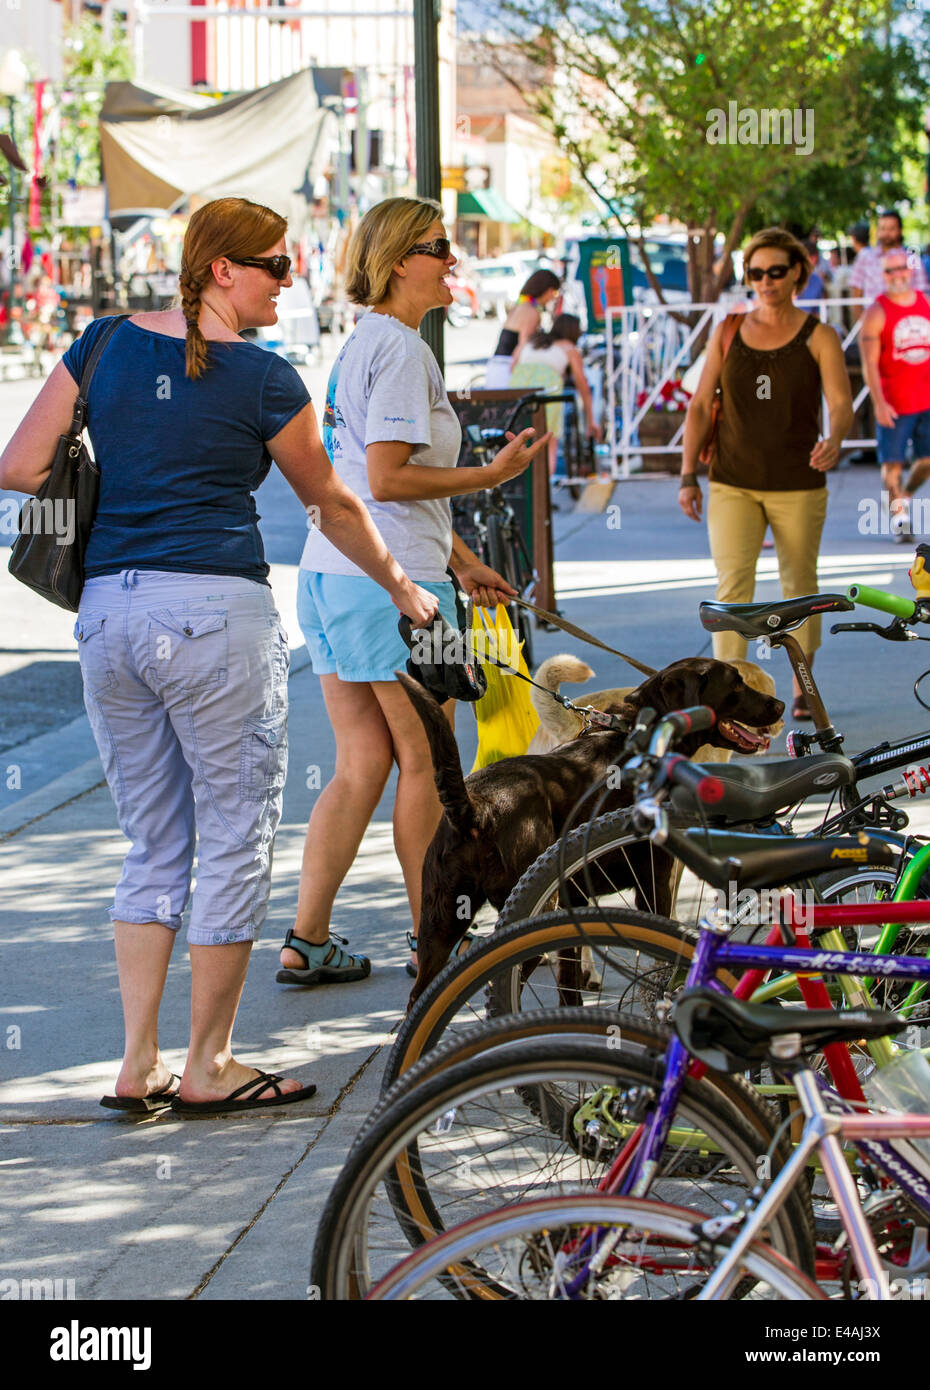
x=500, y=819
x=558, y=725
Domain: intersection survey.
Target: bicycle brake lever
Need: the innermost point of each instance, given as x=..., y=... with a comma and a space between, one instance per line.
x=894, y=632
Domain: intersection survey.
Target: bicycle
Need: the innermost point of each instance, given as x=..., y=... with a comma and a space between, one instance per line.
x=533, y=961
x=641, y=1137
x=473, y=1124
x=592, y=862
x=499, y=541
x=597, y=1247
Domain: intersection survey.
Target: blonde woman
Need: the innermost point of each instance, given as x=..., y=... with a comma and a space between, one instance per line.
x=182, y=652
x=771, y=457
x=395, y=440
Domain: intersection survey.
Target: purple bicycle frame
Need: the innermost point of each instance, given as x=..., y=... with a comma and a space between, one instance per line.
x=714, y=951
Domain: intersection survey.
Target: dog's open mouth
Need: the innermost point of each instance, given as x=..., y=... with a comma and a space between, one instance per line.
x=746, y=740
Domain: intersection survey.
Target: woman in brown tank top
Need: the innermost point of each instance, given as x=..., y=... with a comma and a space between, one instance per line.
x=770, y=462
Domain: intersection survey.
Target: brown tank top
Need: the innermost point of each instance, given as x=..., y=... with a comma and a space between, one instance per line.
x=770, y=416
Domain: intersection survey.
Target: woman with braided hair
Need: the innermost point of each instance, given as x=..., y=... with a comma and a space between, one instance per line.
x=182, y=652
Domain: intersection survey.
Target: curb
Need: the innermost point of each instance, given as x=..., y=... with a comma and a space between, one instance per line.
x=83, y=779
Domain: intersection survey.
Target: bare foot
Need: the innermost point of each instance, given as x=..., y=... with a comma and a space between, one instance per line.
x=134, y=1080
x=228, y=1079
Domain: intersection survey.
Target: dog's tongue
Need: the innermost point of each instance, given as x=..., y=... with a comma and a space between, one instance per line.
x=755, y=737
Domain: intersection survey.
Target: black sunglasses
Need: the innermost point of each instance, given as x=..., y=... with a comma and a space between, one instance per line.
x=439, y=248
x=774, y=272
x=278, y=266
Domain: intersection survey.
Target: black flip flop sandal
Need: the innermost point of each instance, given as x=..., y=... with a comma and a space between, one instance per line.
x=143, y=1105
x=229, y=1104
x=337, y=967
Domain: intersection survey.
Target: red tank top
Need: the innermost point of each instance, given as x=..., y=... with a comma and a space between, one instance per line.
x=904, y=361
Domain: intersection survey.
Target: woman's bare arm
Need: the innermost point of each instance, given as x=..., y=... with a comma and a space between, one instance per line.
x=27, y=459
x=342, y=516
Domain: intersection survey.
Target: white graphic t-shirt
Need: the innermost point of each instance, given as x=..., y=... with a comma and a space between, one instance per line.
x=910, y=341
x=386, y=385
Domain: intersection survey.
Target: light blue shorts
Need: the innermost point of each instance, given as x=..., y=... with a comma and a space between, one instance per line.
x=185, y=685
x=350, y=625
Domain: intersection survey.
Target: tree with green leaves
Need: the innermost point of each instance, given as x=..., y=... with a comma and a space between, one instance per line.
x=90, y=61
x=722, y=114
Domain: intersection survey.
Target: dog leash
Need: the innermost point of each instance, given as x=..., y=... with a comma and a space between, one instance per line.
x=580, y=633
x=591, y=717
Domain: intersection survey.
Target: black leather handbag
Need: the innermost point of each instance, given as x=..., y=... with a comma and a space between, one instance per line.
x=54, y=526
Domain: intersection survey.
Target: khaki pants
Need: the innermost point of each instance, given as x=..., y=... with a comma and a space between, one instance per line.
x=736, y=523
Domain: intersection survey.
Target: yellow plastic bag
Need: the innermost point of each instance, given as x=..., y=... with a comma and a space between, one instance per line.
x=505, y=714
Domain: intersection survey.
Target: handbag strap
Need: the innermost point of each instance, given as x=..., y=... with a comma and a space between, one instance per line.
x=79, y=417
x=730, y=327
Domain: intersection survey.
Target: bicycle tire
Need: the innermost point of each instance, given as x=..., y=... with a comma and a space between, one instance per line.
x=499, y=956
x=441, y=1259
x=389, y=1151
x=590, y=845
x=502, y=557
x=609, y=835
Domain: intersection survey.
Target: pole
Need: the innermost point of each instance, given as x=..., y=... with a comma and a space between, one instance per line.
x=14, y=192
x=429, y=171
x=361, y=137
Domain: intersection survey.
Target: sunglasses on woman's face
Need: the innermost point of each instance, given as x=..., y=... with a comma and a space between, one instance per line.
x=439, y=248
x=278, y=266
x=774, y=272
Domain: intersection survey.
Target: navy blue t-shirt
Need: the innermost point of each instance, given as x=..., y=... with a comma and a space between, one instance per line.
x=180, y=459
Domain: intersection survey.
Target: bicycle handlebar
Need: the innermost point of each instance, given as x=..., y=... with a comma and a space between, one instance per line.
x=895, y=604
x=679, y=722
x=701, y=784
x=539, y=400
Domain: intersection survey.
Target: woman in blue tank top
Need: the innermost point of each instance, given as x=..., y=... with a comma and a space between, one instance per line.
x=182, y=652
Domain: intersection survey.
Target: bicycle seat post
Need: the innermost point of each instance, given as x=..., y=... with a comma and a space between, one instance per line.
x=824, y=732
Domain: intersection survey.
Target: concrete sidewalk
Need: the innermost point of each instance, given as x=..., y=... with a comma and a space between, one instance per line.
x=223, y=1208
x=227, y=1208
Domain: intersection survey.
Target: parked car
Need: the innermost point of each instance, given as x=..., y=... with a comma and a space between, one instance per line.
x=498, y=284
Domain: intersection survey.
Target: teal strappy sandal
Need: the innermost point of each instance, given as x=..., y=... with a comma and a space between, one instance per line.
x=328, y=964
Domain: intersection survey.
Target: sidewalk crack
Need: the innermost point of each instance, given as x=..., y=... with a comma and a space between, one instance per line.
x=330, y=1116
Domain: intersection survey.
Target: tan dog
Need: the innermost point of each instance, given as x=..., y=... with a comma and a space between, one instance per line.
x=558, y=725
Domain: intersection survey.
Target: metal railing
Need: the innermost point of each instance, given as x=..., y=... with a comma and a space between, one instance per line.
x=651, y=348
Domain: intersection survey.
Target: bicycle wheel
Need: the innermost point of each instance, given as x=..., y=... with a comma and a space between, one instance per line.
x=538, y=965
x=456, y=1136
x=538, y=1251
x=502, y=556
x=606, y=863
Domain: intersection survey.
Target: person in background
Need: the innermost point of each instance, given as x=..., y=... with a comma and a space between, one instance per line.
x=524, y=319
x=866, y=281
x=841, y=259
x=546, y=361
x=770, y=461
x=815, y=289
x=896, y=361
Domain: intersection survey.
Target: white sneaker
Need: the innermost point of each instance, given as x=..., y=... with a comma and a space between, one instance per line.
x=901, y=528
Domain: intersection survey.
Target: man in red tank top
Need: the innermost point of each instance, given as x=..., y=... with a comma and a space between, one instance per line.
x=896, y=362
